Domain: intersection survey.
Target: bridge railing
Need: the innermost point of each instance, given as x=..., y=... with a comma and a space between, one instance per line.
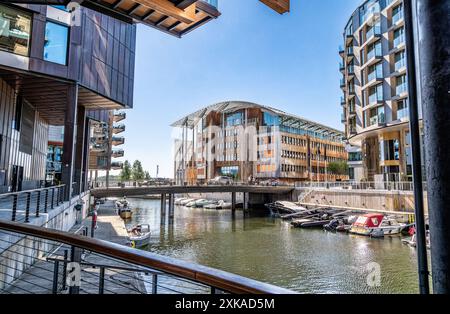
x=39, y=260
x=369, y=185
x=23, y=205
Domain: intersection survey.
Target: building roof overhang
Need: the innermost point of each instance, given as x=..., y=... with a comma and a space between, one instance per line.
x=289, y=120
x=175, y=17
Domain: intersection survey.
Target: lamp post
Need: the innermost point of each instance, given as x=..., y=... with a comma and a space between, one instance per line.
x=415, y=145
x=433, y=29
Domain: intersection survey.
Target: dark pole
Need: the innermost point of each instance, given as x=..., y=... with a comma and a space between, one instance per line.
x=415, y=147
x=433, y=26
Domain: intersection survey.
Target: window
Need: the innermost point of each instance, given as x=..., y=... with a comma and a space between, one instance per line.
x=399, y=37
x=390, y=150
x=56, y=43
x=402, y=85
x=400, y=60
x=374, y=50
x=376, y=94
x=402, y=109
x=397, y=14
x=375, y=72
x=15, y=30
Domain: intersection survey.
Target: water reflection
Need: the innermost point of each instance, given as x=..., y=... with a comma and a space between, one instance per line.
x=267, y=249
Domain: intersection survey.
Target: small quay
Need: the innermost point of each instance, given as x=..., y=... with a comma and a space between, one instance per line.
x=242, y=153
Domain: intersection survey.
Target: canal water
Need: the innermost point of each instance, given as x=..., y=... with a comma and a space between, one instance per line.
x=269, y=250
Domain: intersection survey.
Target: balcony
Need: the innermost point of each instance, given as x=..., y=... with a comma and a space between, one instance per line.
x=118, y=128
x=343, y=102
x=119, y=116
x=118, y=140
x=352, y=130
x=343, y=118
x=116, y=165
x=401, y=89
x=373, y=34
x=98, y=148
x=341, y=67
x=117, y=153
x=342, y=83
x=351, y=111
x=378, y=120
x=341, y=51
x=403, y=114
x=280, y=6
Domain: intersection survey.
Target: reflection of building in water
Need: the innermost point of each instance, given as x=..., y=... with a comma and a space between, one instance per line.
x=243, y=140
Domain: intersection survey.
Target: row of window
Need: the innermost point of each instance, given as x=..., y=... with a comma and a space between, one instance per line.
x=293, y=168
x=15, y=34
x=293, y=155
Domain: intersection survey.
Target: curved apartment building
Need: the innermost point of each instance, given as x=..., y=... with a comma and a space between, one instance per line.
x=375, y=93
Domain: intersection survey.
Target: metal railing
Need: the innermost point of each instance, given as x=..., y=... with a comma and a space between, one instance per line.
x=39, y=260
x=23, y=205
x=386, y=185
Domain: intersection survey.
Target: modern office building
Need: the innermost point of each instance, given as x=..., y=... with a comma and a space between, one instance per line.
x=70, y=67
x=243, y=140
x=375, y=94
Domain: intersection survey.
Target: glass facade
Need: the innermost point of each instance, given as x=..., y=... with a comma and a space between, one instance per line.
x=56, y=43
x=271, y=119
x=15, y=30
x=399, y=37
x=400, y=60
x=235, y=119
x=390, y=150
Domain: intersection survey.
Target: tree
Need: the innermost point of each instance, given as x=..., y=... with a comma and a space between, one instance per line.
x=125, y=174
x=147, y=176
x=338, y=167
x=137, y=173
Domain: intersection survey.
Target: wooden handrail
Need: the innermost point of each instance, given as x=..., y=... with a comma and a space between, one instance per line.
x=206, y=275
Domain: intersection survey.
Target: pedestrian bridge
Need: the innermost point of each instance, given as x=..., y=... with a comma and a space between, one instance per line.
x=178, y=189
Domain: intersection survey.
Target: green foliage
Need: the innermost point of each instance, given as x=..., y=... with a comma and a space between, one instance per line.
x=147, y=176
x=125, y=174
x=137, y=172
x=338, y=167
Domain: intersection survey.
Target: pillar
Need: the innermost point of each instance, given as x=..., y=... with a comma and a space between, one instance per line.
x=171, y=207
x=233, y=203
x=433, y=27
x=79, y=150
x=163, y=202
x=68, y=157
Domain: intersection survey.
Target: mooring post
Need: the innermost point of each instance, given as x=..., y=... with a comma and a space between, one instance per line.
x=233, y=203
x=433, y=27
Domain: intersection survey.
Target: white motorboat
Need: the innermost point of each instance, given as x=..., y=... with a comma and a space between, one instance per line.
x=203, y=202
x=186, y=201
x=376, y=225
x=139, y=236
x=412, y=242
x=179, y=200
x=218, y=205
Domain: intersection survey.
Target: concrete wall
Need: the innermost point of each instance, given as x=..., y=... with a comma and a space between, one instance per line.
x=18, y=252
x=370, y=199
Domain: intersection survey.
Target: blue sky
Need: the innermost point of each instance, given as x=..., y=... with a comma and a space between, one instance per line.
x=249, y=53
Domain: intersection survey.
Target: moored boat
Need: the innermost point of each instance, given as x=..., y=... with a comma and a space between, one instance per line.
x=376, y=225
x=218, y=205
x=139, y=235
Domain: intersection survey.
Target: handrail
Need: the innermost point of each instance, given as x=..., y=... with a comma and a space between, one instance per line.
x=31, y=191
x=208, y=276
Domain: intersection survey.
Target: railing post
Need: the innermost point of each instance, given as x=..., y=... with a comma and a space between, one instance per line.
x=154, y=284
x=53, y=199
x=55, y=277
x=38, y=203
x=27, y=208
x=14, y=208
x=46, y=201
x=101, y=284
x=57, y=196
x=75, y=258
x=64, y=274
